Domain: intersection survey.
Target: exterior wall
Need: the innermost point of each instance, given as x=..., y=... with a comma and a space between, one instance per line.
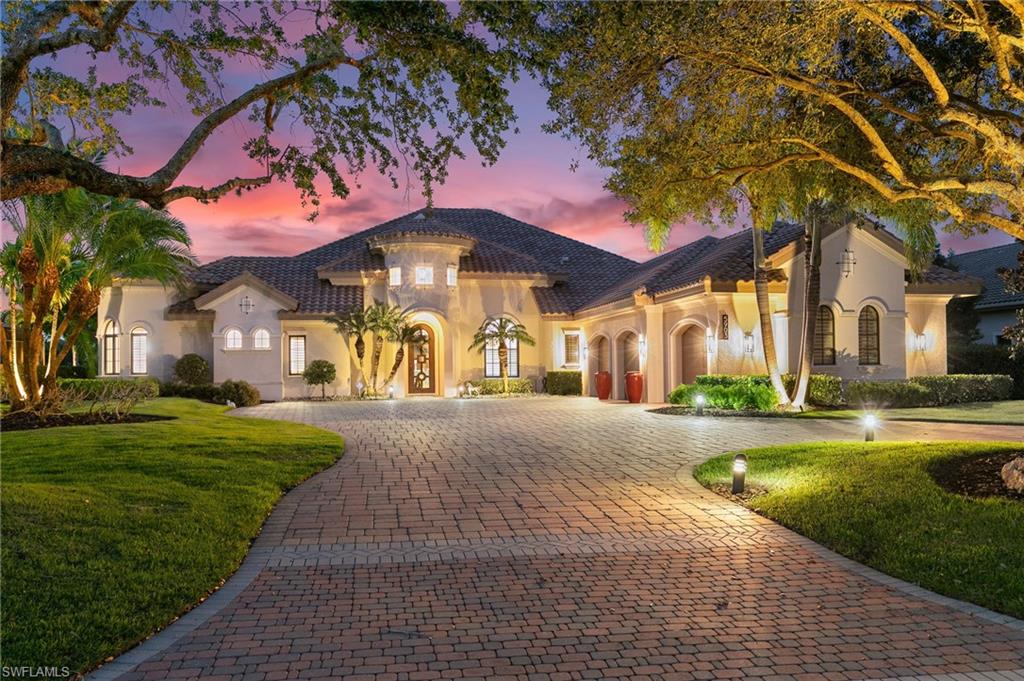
x=322, y=342
x=142, y=304
x=991, y=324
x=926, y=316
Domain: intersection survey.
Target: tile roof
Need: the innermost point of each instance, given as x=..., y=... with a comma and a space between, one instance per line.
x=984, y=264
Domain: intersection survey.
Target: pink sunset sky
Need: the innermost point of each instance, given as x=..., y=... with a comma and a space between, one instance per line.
x=532, y=181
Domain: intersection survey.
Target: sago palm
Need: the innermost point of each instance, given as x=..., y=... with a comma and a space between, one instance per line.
x=499, y=333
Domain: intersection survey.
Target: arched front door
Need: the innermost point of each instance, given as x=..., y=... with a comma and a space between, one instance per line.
x=422, y=365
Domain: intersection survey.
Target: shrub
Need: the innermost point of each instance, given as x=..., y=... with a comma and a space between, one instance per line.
x=241, y=393
x=320, y=372
x=886, y=394
x=95, y=388
x=192, y=369
x=110, y=399
x=823, y=390
x=206, y=393
x=565, y=383
x=740, y=395
x=494, y=386
x=72, y=371
x=957, y=388
x=988, y=359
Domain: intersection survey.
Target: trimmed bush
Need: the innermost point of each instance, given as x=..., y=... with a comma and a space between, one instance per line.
x=205, y=393
x=988, y=359
x=886, y=394
x=494, y=386
x=319, y=372
x=739, y=396
x=192, y=369
x=241, y=393
x=823, y=390
x=565, y=383
x=957, y=388
x=99, y=388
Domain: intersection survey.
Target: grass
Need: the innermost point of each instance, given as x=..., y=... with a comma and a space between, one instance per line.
x=877, y=504
x=111, y=531
x=1009, y=412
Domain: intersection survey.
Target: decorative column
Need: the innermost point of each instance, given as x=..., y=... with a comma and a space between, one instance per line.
x=654, y=367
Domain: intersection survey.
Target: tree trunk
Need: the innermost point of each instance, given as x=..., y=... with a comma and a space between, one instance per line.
x=765, y=313
x=399, y=356
x=8, y=353
x=361, y=354
x=378, y=349
x=323, y=391
x=812, y=297
x=503, y=364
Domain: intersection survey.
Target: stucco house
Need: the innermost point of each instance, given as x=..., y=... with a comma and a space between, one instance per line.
x=686, y=312
x=997, y=307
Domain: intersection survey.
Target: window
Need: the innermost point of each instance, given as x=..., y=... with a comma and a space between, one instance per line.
x=233, y=340
x=140, y=348
x=572, y=348
x=394, y=276
x=453, y=275
x=825, y=337
x=111, y=349
x=296, y=355
x=261, y=339
x=492, y=360
x=867, y=336
x=424, y=275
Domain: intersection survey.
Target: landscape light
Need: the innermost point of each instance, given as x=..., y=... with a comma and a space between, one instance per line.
x=739, y=473
x=462, y=389
x=870, y=422
x=698, y=401
x=359, y=388
x=391, y=392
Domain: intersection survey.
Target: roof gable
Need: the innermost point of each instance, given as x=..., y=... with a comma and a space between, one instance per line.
x=246, y=278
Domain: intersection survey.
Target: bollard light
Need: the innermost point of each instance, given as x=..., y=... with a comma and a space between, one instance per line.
x=870, y=422
x=359, y=388
x=739, y=473
x=462, y=389
x=698, y=401
x=391, y=392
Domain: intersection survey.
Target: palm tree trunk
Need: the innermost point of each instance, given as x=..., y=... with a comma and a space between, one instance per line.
x=361, y=353
x=503, y=364
x=8, y=354
x=812, y=298
x=399, y=356
x=378, y=349
x=765, y=314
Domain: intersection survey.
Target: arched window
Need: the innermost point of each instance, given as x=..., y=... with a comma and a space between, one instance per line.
x=111, y=349
x=261, y=339
x=825, y=337
x=140, y=348
x=492, y=363
x=233, y=340
x=867, y=336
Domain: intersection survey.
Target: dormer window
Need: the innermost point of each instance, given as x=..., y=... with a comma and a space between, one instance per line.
x=424, y=275
x=394, y=276
x=453, y=276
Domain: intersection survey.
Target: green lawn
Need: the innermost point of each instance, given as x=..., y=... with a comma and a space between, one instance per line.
x=110, y=531
x=877, y=504
x=1009, y=412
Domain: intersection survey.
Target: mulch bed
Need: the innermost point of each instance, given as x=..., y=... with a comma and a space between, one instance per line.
x=27, y=421
x=708, y=411
x=976, y=476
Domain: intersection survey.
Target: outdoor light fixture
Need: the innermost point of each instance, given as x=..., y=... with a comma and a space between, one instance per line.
x=846, y=262
x=870, y=422
x=739, y=473
x=391, y=392
x=698, y=401
x=920, y=342
x=748, y=343
x=711, y=341
x=246, y=305
x=359, y=388
x=462, y=389
x=642, y=346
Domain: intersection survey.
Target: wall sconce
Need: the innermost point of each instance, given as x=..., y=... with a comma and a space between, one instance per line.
x=748, y=343
x=642, y=346
x=920, y=342
x=711, y=342
x=246, y=305
x=846, y=262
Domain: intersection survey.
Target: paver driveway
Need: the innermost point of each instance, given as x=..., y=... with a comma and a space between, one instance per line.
x=556, y=539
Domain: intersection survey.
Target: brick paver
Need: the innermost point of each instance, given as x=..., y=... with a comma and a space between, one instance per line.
x=558, y=539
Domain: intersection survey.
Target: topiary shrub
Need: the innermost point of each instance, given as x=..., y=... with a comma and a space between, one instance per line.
x=494, y=386
x=739, y=396
x=192, y=369
x=886, y=394
x=564, y=383
x=241, y=393
x=320, y=372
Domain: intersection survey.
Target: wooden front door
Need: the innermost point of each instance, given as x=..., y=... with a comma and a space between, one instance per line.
x=422, y=372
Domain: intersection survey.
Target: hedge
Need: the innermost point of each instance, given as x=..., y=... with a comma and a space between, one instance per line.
x=740, y=395
x=823, y=390
x=886, y=394
x=564, y=383
x=494, y=386
x=206, y=393
x=96, y=388
x=988, y=359
x=930, y=391
x=241, y=393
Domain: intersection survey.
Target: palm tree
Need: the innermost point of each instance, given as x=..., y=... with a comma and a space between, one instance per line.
x=353, y=324
x=403, y=334
x=500, y=332
x=382, y=319
x=67, y=248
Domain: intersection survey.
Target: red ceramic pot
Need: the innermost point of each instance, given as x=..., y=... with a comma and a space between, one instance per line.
x=603, y=383
x=634, y=386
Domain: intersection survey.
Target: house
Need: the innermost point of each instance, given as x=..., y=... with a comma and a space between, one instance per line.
x=996, y=307
x=687, y=312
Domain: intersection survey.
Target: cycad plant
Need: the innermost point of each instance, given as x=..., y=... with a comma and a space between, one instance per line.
x=499, y=333
x=67, y=248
